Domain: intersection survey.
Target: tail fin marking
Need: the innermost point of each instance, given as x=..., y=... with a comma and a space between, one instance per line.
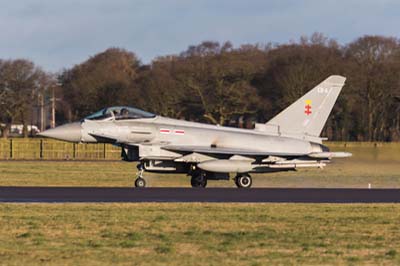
x=308, y=115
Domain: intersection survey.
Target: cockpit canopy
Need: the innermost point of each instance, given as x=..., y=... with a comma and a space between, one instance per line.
x=119, y=113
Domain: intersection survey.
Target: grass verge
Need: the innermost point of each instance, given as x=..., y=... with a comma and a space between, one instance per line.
x=199, y=234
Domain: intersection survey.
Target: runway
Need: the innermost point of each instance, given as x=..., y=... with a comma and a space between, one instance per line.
x=102, y=194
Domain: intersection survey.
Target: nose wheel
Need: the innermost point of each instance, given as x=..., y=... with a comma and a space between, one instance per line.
x=140, y=182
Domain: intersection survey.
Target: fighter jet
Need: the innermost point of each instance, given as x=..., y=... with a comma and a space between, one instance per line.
x=289, y=141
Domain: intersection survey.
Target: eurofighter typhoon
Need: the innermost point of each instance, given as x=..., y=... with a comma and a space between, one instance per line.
x=289, y=141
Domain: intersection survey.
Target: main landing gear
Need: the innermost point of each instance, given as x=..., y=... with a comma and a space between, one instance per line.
x=199, y=179
x=140, y=182
x=243, y=180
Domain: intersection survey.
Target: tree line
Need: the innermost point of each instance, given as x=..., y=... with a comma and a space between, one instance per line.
x=221, y=84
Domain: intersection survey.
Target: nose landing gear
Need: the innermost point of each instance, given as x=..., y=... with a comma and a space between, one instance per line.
x=140, y=182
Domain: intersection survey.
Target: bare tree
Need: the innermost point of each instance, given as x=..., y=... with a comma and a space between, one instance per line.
x=105, y=79
x=19, y=80
x=373, y=80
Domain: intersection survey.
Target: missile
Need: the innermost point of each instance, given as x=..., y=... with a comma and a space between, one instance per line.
x=328, y=155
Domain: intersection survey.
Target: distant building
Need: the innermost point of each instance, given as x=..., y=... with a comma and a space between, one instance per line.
x=18, y=130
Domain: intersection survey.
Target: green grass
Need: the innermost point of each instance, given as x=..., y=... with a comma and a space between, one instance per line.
x=379, y=166
x=199, y=234
x=202, y=234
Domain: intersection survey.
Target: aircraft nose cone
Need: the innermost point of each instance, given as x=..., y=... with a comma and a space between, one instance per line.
x=69, y=132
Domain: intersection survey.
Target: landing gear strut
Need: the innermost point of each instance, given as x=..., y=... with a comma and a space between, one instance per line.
x=140, y=182
x=199, y=179
x=243, y=180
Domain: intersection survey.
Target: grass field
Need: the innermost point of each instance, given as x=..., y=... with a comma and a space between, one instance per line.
x=379, y=166
x=199, y=234
x=202, y=234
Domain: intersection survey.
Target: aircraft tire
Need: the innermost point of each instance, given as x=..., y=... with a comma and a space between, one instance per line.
x=140, y=182
x=243, y=181
x=198, y=180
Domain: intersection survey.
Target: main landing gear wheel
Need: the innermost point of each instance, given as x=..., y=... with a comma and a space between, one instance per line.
x=243, y=181
x=140, y=182
x=198, y=180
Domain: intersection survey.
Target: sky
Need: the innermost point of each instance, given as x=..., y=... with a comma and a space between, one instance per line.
x=58, y=34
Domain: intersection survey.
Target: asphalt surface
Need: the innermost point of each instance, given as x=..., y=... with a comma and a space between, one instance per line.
x=97, y=194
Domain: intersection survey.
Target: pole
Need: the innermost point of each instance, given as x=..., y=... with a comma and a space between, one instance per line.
x=41, y=112
x=53, y=108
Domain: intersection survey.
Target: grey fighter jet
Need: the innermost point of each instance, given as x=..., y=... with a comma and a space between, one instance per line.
x=289, y=141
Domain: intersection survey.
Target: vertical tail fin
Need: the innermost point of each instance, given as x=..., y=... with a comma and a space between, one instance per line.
x=308, y=115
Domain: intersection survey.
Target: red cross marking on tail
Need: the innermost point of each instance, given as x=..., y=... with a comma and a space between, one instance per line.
x=307, y=110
